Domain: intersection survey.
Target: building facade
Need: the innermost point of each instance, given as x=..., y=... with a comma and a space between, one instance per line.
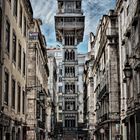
x=89, y=96
x=129, y=53
x=57, y=54
x=80, y=88
x=52, y=86
x=37, y=84
x=69, y=24
x=15, y=17
x=102, y=92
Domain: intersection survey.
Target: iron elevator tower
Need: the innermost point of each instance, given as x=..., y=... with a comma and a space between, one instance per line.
x=69, y=26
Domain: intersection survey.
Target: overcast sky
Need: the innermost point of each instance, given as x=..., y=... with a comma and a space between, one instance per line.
x=93, y=11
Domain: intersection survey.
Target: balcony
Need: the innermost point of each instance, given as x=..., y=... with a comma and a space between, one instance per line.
x=70, y=111
x=70, y=62
x=70, y=78
x=108, y=117
x=69, y=91
x=72, y=11
x=69, y=25
x=70, y=95
x=75, y=11
x=69, y=129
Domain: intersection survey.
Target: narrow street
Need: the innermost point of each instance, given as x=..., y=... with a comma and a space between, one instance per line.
x=69, y=70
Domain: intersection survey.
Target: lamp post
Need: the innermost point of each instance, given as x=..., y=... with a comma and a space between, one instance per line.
x=128, y=74
x=98, y=105
x=127, y=70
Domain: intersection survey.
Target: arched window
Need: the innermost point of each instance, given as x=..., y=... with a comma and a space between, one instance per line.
x=71, y=57
x=66, y=54
x=73, y=88
x=73, y=54
x=68, y=70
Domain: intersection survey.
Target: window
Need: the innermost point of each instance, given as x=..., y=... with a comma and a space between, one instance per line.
x=15, y=7
x=60, y=106
x=13, y=93
x=60, y=116
x=7, y=36
x=18, y=98
x=25, y=26
x=78, y=5
x=67, y=55
x=60, y=79
x=19, y=56
x=127, y=10
x=69, y=7
x=24, y=62
x=59, y=98
x=70, y=122
x=69, y=40
x=20, y=17
x=72, y=55
x=77, y=88
x=6, y=88
x=23, y=102
x=60, y=71
x=14, y=47
x=60, y=89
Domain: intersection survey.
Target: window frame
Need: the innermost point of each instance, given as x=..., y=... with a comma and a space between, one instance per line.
x=19, y=56
x=20, y=17
x=7, y=35
x=18, y=98
x=14, y=46
x=6, y=88
x=15, y=8
x=13, y=92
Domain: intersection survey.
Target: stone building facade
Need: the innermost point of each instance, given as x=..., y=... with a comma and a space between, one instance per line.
x=129, y=53
x=15, y=17
x=52, y=86
x=88, y=94
x=80, y=88
x=102, y=75
x=57, y=54
x=37, y=84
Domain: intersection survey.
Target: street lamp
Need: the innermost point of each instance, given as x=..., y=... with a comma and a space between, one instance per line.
x=98, y=105
x=127, y=70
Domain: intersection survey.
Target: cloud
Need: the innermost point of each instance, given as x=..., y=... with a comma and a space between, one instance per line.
x=93, y=10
